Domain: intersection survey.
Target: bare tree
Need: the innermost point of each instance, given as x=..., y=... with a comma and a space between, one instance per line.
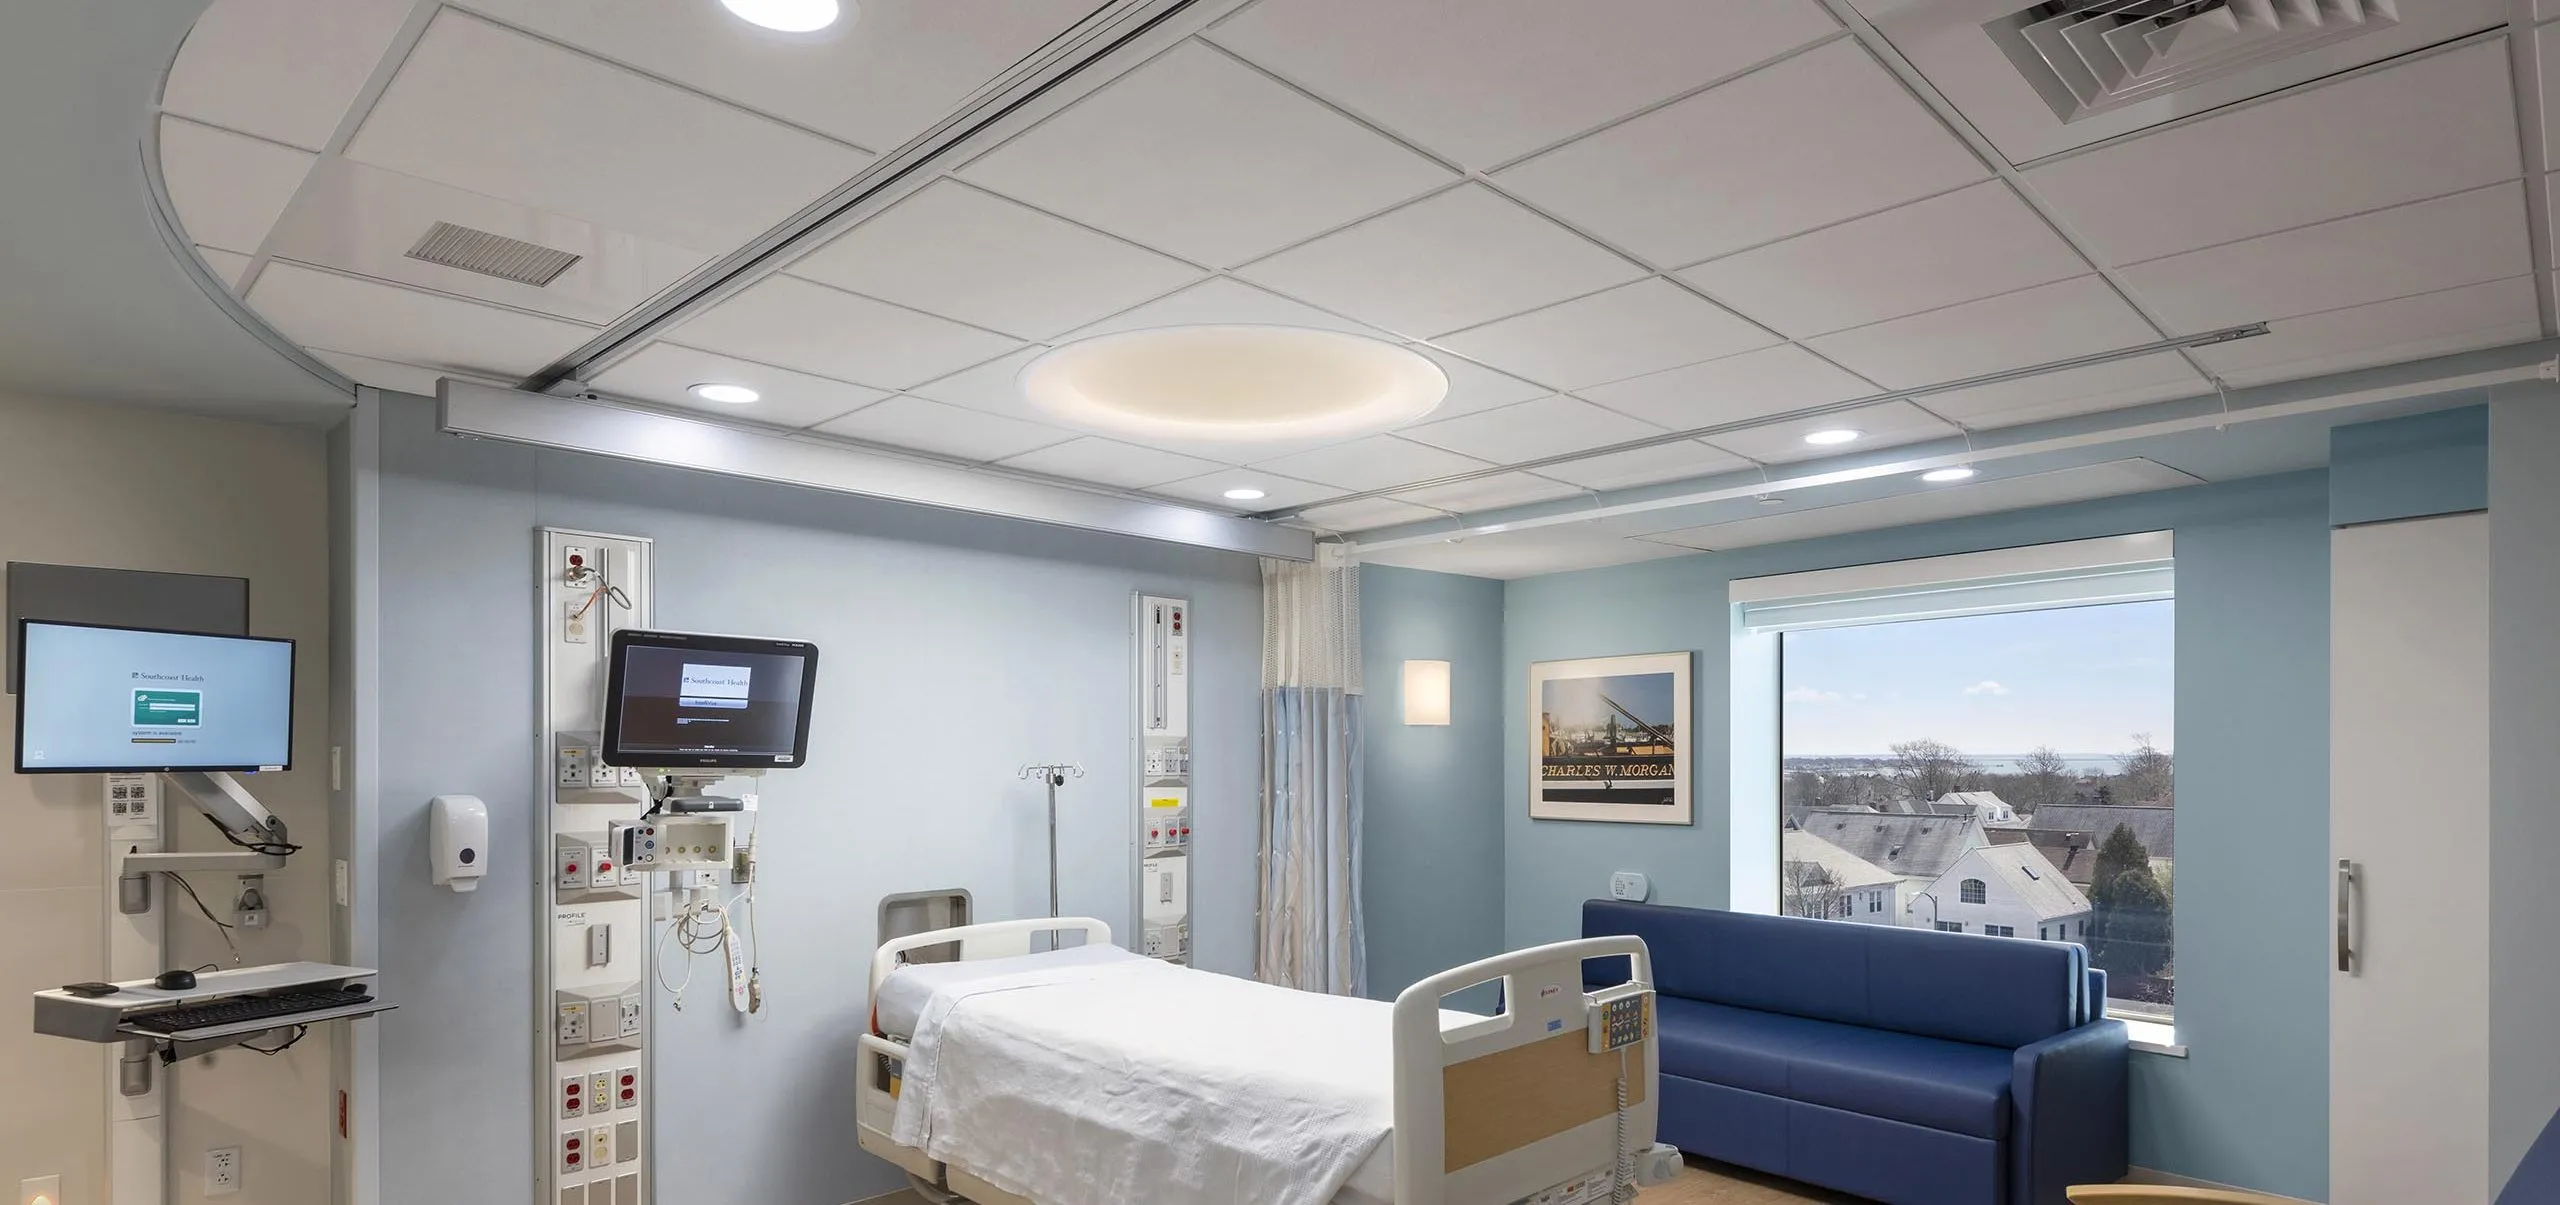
x=2149, y=775
x=1926, y=769
x=1806, y=889
x=2048, y=779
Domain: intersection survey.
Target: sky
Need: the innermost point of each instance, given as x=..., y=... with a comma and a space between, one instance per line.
x=1576, y=702
x=2080, y=679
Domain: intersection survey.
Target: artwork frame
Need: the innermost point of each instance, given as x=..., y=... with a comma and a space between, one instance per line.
x=1594, y=756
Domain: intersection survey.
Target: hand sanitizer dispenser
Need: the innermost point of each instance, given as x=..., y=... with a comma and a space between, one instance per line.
x=457, y=841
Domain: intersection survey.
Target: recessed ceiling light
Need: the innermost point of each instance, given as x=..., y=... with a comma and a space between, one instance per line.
x=788, y=16
x=1832, y=435
x=1234, y=383
x=1942, y=476
x=735, y=395
x=1244, y=493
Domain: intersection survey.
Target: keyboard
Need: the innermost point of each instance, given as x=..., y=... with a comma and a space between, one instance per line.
x=281, y=1006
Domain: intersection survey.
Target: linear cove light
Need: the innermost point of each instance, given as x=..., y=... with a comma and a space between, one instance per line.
x=787, y=16
x=1234, y=383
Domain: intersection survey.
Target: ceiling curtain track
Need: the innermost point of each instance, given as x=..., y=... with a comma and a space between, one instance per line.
x=1309, y=929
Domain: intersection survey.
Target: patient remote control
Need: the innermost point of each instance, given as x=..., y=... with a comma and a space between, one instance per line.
x=1619, y=1016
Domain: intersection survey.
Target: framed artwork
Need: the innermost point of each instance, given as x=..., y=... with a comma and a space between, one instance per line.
x=1609, y=739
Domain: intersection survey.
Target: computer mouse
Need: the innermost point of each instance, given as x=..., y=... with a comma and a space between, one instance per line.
x=174, y=981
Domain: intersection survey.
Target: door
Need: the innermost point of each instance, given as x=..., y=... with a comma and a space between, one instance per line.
x=2409, y=818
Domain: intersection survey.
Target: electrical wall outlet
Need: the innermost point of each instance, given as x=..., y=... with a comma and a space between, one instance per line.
x=249, y=910
x=222, y=1172
x=600, y=1145
x=626, y=1086
x=573, y=1096
x=573, y=1151
x=633, y=1008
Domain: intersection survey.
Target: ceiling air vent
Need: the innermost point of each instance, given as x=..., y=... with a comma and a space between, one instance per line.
x=491, y=254
x=2085, y=57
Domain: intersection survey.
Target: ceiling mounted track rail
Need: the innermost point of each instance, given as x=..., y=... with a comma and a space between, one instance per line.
x=2207, y=339
x=1089, y=42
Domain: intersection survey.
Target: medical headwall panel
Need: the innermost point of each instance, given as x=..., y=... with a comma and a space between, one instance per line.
x=1164, y=778
x=592, y=1083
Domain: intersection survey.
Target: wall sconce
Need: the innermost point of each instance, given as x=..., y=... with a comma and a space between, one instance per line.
x=1426, y=693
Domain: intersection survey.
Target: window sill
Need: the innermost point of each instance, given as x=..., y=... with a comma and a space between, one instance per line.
x=2154, y=1037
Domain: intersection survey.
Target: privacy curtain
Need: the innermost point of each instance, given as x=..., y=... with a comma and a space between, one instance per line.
x=1310, y=926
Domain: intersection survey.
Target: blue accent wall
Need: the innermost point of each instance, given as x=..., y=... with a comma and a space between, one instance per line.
x=1431, y=879
x=2408, y=468
x=2250, y=1104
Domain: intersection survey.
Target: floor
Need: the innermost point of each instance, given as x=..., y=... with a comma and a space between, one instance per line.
x=1703, y=1183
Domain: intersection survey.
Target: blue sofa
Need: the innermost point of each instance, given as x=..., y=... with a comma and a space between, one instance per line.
x=1906, y=1065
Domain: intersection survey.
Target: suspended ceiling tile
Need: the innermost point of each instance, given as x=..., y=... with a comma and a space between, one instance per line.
x=406, y=326
x=2420, y=248
x=363, y=219
x=1484, y=81
x=1491, y=493
x=1373, y=463
x=988, y=387
x=1883, y=425
x=1474, y=387
x=1205, y=158
x=2493, y=314
x=380, y=374
x=1222, y=301
x=1930, y=504
x=1768, y=381
x=1525, y=553
x=281, y=69
x=228, y=189
x=912, y=422
x=1452, y=260
x=1646, y=466
x=1366, y=514
x=2546, y=51
x=1960, y=246
x=2431, y=126
x=1821, y=137
x=667, y=372
x=1209, y=489
x=1628, y=331
x=1108, y=462
x=227, y=265
x=2032, y=326
x=2090, y=390
x=877, y=78
x=969, y=255
x=484, y=108
x=1531, y=429
x=791, y=322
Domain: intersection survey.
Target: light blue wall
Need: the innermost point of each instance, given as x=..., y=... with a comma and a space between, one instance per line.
x=956, y=649
x=2250, y=1106
x=2405, y=468
x=1432, y=878
x=2524, y=818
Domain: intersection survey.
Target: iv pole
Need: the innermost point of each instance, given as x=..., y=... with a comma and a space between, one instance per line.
x=1053, y=775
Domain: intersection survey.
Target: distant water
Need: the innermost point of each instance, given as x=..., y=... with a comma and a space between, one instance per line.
x=1992, y=763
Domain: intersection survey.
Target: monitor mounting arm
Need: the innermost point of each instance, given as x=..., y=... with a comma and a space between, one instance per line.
x=240, y=817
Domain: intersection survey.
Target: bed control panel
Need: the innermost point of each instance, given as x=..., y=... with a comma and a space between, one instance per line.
x=1620, y=1016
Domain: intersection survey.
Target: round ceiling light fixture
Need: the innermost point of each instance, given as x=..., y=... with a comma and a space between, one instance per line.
x=1244, y=493
x=786, y=16
x=1234, y=383
x=733, y=395
x=1829, y=436
x=1945, y=475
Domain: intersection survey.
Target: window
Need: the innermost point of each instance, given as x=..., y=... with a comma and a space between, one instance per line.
x=2014, y=708
x=1875, y=901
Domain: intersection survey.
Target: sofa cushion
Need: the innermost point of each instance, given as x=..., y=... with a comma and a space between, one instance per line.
x=1953, y=1086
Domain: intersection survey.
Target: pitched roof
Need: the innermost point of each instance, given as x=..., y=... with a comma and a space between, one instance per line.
x=2035, y=881
x=1847, y=870
x=1910, y=846
x=2155, y=825
x=2072, y=851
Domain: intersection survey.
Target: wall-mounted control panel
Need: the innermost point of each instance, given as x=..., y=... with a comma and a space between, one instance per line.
x=1165, y=806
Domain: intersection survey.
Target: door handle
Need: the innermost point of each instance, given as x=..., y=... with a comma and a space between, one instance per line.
x=2347, y=885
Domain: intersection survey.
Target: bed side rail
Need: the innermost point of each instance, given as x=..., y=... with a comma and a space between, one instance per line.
x=1497, y=1109
x=991, y=939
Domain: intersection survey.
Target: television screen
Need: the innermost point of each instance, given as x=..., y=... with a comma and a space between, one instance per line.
x=102, y=699
x=675, y=700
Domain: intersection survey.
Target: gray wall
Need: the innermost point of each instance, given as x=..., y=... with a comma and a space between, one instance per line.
x=955, y=649
x=2524, y=819
x=1432, y=842
x=2249, y=1106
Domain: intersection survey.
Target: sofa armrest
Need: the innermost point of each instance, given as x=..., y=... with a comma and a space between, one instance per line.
x=2069, y=1115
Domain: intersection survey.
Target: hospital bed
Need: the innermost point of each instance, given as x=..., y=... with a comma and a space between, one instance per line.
x=1027, y=1065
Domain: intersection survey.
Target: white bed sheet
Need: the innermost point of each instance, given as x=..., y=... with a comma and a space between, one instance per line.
x=1091, y=1076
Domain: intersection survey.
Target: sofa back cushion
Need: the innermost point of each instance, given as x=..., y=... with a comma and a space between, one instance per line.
x=1993, y=990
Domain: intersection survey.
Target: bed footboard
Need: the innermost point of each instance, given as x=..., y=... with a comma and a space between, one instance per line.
x=1508, y=1107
